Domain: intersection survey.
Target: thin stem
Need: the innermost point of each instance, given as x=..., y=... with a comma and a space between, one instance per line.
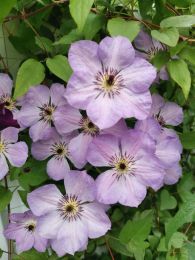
x=109, y=249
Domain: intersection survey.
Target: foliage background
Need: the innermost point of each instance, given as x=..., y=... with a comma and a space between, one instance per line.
x=35, y=36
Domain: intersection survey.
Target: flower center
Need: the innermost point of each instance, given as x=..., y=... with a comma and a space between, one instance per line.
x=31, y=225
x=2, y=147
x=8, y=102
x=154, y=50
x=109, y=82
x=160, y=120
x=88, y=127
x=122, y=165
x=70, y=208
x=46, y=113
x=60, y=150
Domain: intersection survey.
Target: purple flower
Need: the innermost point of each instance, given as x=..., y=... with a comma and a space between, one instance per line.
x=15, y=152
x=73, y=120
x=166, y=113
x=133, y=167
x=68, y=220
x=23, y=229
x=38, y=110
x=6, y=85
x=57, y=149
x=148, y=48
x=109, y=82
x=168, y=148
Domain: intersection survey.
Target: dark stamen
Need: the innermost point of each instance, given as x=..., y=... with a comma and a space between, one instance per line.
x=122, y=166
x=90, y=125
x=31, y=228
x=69, y=208
x=110, y=80
x=59, y=151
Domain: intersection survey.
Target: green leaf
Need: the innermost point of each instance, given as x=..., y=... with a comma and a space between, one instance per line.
x=178, y=21
x=188, y=140
x=31, y=255
x=185, y=214
x=160, y=59
x=60, y=67
x=73, y=36
x=167, y=201
x=30, y=73
x=169, y=36
x=180, y=73
x=93, y=24
x=79, y=10
x=191, y=250
x=137, y=230
x=44, y=43
x=5, y=8
x=118, y=26
x=188, y=54
x=5, y=197
x=32, y=174
x=118, y=246
x=177, y=240
x=1, y=252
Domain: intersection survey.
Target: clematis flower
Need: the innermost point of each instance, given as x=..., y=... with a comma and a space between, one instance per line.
x=72, y=217
x=57, y=149
x=108, y=81
x=6, y=85
x=132, y=167
x=166, y=113
x=22, y=229
x=72, y=120
x=148, y=48
x=38, y=110
x=15, y=152
x=168, y=148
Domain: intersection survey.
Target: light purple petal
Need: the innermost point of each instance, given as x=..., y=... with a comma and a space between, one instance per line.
x=83, y=57
x=28, y=115
x=139, y=76
x=106, y=112
x=157, y=103
x=38, y=96
x=168, y=151
x=41, y=150
x=40, y=243
x=96, y=220
x=143, y=41
x=149, y=171
x=173, y=174
x=40, y=131
x=126, y=190
x=79, y=183
x=10, y=135
x=66, y=119
x=25, y=242
x=78, y=148
x=57, y=169
x=57, y=92
x=102, y=149
x=134, y=140
x=149, y=126
x=172, y=113
x=17, y=153
x=81, y=90
x=117, y=130
x=6, y=84
x=44, y=199
x=53, y=220
x=3, y=166
x=72, y=238
x=116, y=52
